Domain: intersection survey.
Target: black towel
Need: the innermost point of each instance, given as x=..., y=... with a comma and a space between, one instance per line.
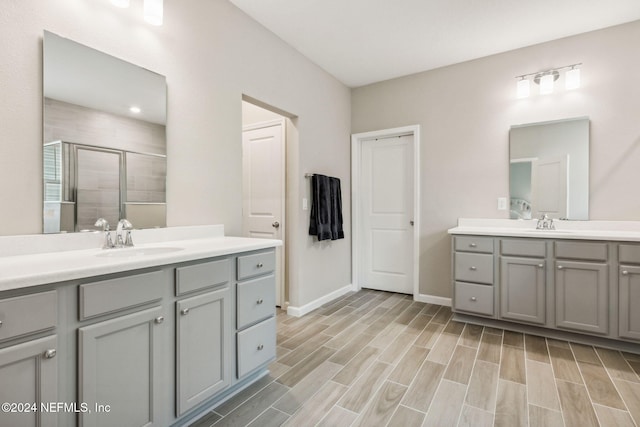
x=326, y=208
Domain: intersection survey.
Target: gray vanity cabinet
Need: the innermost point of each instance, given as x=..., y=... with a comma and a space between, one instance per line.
x=203, y=345
x=118, y=365
x=255, y=312
x=473, y=266
x=30, y=369
x=28, y=366
x=582, y=287
x=523, y=284
x=120, y=359
x=629, y=291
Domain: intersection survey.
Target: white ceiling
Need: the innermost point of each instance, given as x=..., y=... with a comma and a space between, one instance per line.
x=366, y=41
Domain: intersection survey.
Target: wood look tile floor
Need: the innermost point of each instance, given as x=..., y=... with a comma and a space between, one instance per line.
x=375, y=358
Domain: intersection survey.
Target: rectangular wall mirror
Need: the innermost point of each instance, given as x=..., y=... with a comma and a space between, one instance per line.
x=105, y=151
x=549, y=169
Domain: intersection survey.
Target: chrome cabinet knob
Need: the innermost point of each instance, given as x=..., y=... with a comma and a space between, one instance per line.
x=159, y=319
x=260, y=347
x=0, y=323
x=260, y=265
x=50, y=354
x=474, y=299
x=540, y=265
x=560, y=267
x=473, y=245
x=625, y=272
x=184, y=311
x=473, y=268
x=260, y=301
x=276, y=224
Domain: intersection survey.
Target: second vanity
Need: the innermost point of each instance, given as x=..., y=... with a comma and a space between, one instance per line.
x=582, y=278
x=145, y=336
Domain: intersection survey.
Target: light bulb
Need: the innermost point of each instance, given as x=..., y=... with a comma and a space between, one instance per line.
x=572, y=79
x=120, y=3
x=153, y=11
x=546, y=84
x=522, y=88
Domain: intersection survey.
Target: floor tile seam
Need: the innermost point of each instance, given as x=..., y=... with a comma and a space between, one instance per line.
x=625, y=361
x=554, y=385
x=247, y=399
x=473, y=368
x=370, y=398
x=624, y=401
x=613, y=409
x=589, y=391
x=355, y=381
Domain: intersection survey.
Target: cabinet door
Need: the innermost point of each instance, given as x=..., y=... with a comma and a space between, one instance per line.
x=203, y=347
x=118, y=366
x=582, y=296
x=629, y=297
x=28, y=373
x=522, y=289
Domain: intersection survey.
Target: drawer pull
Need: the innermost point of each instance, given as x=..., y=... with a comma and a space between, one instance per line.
x=260, y=301
x=560, y=267
x=260, y=265
x=184, y=311
x=624, y=273
x=474, y=299
x=473, y=268
x=540, y=265
x=50, y=354
x=0, y=323
x=473, y=245
x=159, y=319
x=260, y=347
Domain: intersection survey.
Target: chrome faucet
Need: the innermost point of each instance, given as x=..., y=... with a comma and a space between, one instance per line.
x=545, y=223
x=124, y=225
x=108, y=242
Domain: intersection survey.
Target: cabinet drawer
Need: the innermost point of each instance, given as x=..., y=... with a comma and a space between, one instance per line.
x=118, y=294
x=530, y=248
x=581, y=250
x=256, y=264
x=203, y=275
x=474, y=244
x=256, y=346
x=28, y=314
x=474, y=298
x=256, y=300
x=476, y=268
x=629, y=254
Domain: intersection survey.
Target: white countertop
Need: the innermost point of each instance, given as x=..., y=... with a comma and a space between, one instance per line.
x=628, y=231
x=32, y=269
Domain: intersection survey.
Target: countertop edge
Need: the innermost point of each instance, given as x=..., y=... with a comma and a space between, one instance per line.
x=618, y=236
x=86, y=264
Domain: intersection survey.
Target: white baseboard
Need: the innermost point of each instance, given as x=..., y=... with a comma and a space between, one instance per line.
x=307, y=308
x=432, y=299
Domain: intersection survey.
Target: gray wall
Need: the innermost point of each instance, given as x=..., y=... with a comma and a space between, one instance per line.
x=465, y=112
x=211, y=54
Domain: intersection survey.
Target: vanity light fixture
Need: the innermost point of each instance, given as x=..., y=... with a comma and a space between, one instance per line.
x=153, y=11
x=546, y=80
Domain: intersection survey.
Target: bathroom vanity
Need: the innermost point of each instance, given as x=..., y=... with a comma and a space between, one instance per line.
x=582, y=278
x=152, y=335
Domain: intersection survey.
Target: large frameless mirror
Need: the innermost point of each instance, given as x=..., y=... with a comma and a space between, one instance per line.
x=549, y=169
x=105, y=151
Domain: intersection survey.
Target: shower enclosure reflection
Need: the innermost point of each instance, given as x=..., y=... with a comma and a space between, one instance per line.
x=101, y=158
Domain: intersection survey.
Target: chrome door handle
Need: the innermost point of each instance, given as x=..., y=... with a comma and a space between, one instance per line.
x=184, y=311
x=276, y=224
x=50, y=354
x=411, y=223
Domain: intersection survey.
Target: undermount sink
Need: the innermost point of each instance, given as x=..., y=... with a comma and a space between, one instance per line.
x=136, y=252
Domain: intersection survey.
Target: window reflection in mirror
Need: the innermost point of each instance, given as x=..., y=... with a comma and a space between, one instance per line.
x=549, y=169
x=101, y=157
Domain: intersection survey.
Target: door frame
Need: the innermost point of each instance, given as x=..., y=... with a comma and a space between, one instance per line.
x=356, y=152
x=283, y=205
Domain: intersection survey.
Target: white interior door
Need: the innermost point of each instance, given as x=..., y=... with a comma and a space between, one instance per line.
x=386, y=214
x=263, y=187
x=549, y=178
